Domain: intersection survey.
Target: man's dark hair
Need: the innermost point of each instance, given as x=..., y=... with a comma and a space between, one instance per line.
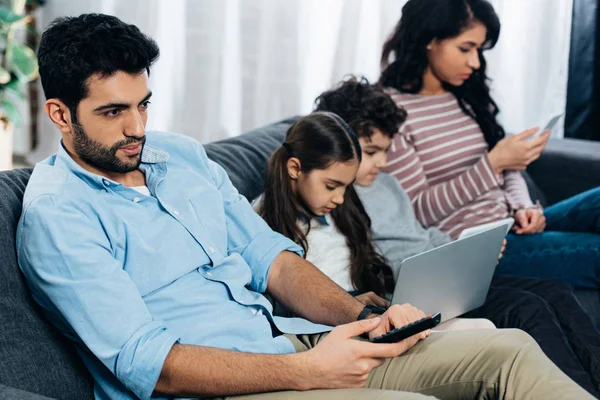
x=363, y=106
x=73, y=49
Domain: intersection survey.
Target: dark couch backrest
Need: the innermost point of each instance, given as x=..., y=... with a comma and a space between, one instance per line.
x=245, y=157
x=33, y=355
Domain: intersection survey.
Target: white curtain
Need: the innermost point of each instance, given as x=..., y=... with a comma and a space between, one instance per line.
x=530, y=64
x=228, y=66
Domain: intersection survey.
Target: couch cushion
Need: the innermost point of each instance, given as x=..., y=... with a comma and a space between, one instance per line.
x=33, y=355
x=7, y=393
x=245, y=157
x=535, y=192
x=566, y=167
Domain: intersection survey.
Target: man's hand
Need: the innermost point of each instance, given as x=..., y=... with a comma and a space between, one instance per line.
x=530, y=221
x=370, y=298
x=396, y=317
x=340, y=361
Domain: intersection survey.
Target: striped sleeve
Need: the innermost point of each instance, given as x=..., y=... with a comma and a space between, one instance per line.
x=433, y=203
x=516, y=192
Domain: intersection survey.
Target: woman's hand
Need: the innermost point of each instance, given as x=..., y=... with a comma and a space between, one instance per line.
x=515, y=153
x=370, y=298
x=529, y=221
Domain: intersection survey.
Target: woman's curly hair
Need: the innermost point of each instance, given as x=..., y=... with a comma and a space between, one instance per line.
x=363, y=106
x=423, y=21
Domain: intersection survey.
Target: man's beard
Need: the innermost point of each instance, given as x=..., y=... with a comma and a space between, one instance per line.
x=104, y=158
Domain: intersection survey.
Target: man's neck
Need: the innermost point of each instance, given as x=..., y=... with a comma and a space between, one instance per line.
x=129, y=179
x=432, y=86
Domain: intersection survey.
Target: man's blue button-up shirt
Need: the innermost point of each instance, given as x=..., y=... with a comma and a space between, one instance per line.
x=126, y=276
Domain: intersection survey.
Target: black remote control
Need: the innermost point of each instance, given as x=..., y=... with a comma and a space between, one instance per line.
x=398, y=334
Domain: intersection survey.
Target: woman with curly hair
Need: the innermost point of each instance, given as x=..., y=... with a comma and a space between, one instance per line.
x=452, y=156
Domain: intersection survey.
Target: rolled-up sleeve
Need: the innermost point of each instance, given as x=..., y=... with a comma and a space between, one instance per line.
x=69, y=265
x=247, y=233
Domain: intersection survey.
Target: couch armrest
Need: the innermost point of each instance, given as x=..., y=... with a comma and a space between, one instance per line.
x=8, y=393
x=567, y=167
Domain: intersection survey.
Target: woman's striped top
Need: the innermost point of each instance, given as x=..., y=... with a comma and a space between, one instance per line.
x=440, y=159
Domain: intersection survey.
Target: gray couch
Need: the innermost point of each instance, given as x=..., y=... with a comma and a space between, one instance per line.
x=35, y=361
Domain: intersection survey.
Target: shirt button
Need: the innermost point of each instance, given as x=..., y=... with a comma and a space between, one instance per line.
x=106, y=182
x=136, y=199
x=208, y=274
x=211, y=249
x=175, y=212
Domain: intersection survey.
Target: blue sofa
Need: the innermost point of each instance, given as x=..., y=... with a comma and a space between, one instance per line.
x=36, y=362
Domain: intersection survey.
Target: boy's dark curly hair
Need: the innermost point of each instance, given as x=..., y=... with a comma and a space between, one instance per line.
x=363, y=106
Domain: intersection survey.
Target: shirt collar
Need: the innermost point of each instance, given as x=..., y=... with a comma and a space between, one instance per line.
x=150, y=156
x=321, y=219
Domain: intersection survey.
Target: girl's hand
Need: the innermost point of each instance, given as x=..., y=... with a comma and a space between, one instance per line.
x=370, y=298
x=515, y=153
x=530, y=221
x=502, y=250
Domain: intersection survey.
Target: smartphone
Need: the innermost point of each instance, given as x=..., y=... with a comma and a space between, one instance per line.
x=549, y=126
x=398, y=334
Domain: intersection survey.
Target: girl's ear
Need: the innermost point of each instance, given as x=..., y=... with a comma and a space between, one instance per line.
x=294, y=168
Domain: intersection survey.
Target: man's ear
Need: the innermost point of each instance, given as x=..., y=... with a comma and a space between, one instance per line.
x=59, y=114
x=431, y=44
x=294, y=167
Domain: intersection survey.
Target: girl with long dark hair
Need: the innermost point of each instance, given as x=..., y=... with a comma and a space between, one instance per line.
x=453, y=158
x=308, y=187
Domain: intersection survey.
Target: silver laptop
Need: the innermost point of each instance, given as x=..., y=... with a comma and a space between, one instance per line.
x=452, y=279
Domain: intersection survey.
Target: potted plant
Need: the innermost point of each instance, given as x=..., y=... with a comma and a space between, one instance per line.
x=18, y=66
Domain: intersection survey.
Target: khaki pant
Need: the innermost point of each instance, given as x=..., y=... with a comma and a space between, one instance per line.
x=478, y=364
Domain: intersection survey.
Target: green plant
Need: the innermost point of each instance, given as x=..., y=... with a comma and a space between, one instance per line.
x=18, y=65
